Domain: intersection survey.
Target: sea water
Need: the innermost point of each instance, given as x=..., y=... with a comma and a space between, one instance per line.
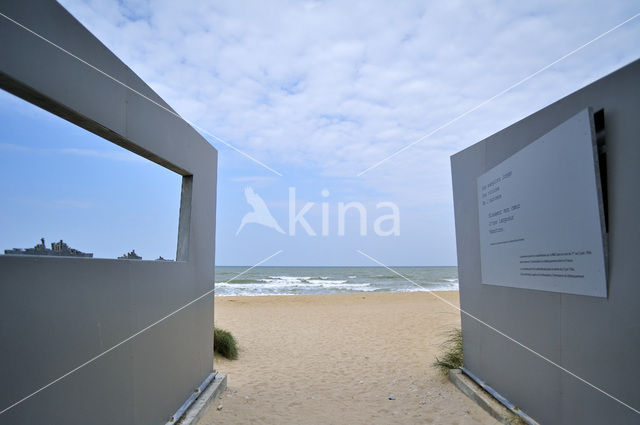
x=332, y=280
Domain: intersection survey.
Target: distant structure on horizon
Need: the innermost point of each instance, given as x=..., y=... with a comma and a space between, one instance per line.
x=130, y=256
x=58, y=249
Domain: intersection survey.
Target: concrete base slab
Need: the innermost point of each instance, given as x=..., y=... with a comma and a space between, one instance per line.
x=484, y=399
x=200, y=406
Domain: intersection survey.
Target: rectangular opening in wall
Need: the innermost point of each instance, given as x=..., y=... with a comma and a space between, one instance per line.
x=67, y=192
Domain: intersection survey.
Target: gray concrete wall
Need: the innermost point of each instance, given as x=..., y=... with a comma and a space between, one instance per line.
x=57, y=313
x=597, y=339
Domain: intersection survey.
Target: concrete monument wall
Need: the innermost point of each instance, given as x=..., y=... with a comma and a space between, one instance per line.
x=57, y=313
x=598, y=339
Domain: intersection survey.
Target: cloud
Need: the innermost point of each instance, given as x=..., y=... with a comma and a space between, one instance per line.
x=253, y=179
x=335, y=87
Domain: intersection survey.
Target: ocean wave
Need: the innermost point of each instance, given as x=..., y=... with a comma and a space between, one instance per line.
x=240, y=281
x=293, y=280
x=288, y=277
x=279, y=285
x=289, y=285
x=333, y=282
x=328, y=282
x=252, y=292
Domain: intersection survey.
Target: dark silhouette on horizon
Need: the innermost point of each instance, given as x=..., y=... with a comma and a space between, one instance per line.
x=58, y=249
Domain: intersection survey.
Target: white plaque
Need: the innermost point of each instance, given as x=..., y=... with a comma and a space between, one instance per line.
x=541, y=217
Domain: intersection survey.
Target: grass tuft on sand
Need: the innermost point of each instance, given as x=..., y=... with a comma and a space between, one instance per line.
x=452, y=356
x=225, y=344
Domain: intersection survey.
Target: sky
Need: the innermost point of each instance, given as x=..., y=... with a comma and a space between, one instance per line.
x=317, y=93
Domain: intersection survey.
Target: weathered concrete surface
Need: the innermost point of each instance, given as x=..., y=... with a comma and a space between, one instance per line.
x=483, y=398
x=592, y=337
x=202, y=403
x=57, y=313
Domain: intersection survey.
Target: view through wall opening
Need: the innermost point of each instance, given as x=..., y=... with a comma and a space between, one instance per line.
x=63, y=183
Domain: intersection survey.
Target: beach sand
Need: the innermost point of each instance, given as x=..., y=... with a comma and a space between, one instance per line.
x=336, y=359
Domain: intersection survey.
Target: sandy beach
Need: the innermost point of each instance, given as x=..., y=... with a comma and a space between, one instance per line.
x=336, y=359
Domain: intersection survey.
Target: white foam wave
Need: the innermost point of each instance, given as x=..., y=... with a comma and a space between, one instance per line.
x=291, y=278
x=328, y=282
x=294, y=285
x=289, y=285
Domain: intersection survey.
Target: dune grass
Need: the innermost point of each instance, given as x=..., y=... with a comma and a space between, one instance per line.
x=452, y=356
x=225, y=344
